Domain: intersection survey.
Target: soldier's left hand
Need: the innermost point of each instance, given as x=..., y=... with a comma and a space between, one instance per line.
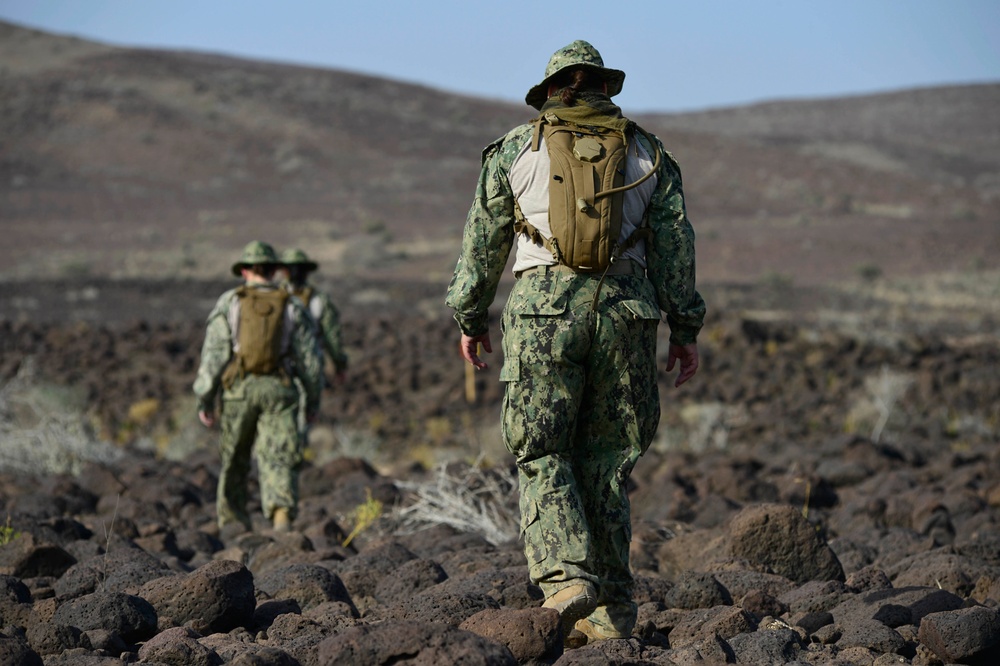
x=469, y=348
x=207, y=418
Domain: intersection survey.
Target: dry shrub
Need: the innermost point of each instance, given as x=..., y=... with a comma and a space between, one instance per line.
x=480, y=500
x=43, y=432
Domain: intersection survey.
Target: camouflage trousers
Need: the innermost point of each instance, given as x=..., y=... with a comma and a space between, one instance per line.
x=259, y=416
x=581, y=405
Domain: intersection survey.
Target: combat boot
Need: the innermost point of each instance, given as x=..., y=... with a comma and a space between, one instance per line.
x=281, y=519
x=591, y=633
x=573, y=602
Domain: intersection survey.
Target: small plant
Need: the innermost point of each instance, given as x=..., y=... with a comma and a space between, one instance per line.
x=805, y=502
x=108, y=532
x=8, y=533
x=886, y=391
x=364, y=516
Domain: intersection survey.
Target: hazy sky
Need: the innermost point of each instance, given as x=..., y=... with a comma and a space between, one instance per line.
x=686, y=55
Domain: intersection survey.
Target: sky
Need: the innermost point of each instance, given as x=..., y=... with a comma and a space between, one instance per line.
x=678, y=55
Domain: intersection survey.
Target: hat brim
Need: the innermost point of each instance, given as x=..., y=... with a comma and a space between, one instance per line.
x=537, y=96
x=240, y=265
x=308, y=265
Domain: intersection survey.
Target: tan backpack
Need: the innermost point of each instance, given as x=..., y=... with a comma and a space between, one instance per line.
x=262, y=316
x=586, y=193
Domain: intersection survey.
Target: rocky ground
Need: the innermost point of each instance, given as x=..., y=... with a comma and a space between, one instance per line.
x=815, y=496
x=897, y=560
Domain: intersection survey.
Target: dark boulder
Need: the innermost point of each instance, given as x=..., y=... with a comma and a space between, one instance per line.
x=131, y=617
x=216, y=597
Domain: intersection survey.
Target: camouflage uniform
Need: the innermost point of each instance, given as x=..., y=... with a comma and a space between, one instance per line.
x=325, y=319
x=581, y=402
x=320, y=307
x=258, y=412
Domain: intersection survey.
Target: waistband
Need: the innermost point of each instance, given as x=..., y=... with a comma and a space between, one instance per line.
x=620, y=267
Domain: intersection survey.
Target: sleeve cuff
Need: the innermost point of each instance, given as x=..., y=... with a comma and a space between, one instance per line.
x=683, y=335
x=473, y=323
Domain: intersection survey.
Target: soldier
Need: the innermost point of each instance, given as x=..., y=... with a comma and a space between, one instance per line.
x=594, y=266
x=295, y=269
x=257, y=341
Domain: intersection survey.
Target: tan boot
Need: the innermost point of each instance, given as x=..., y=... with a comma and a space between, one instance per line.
x=573, y=603
x=594, y=633
x=281, y=519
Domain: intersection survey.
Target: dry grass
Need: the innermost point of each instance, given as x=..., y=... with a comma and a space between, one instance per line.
x=42, y=433
x=481, y=501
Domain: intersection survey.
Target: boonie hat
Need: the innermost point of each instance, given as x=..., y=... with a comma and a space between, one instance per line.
x=577, y=54
x=296, y=257
x=255, y=252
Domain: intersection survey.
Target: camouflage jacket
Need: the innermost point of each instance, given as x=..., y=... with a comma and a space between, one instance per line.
x=326, y=319
x=302, y=358
x=489, y=237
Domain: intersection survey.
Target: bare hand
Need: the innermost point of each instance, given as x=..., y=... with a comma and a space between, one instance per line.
x=207, y=418
x=469, y=347
x=688, y=357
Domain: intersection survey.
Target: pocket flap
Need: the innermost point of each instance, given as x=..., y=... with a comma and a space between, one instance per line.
x=535, y=299
x=529, y=513
x=642, y=309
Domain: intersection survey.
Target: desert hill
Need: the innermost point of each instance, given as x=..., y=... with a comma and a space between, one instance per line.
x=128, y=162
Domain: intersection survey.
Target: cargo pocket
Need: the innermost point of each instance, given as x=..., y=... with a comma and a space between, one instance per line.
x=531, y=530
x=529, y=513
x=640, y=353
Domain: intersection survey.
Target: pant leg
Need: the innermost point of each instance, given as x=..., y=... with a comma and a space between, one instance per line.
x=616, y=426
x=278, y=447
x=545, y=378
x=238, y=426
x=302, y=423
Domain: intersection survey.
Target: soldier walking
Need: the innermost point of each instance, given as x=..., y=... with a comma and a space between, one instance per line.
x=594, y=209
x=297, y=266
x=295, y=269
x=258, y=340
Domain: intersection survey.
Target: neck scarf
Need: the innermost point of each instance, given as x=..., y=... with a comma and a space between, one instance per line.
x=591, y=109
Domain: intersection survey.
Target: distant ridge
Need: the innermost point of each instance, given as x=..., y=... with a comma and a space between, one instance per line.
x=135, y=162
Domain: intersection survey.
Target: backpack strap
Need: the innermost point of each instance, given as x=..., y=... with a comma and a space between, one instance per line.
x=522, y=226
x=657, y=161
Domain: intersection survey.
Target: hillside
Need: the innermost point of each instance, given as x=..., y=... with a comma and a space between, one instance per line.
x=124, y=163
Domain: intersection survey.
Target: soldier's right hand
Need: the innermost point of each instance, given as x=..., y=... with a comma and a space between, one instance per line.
x=207, y=418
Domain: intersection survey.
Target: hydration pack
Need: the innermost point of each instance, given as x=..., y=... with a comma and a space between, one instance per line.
x=262, y=316
x=586, y=192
